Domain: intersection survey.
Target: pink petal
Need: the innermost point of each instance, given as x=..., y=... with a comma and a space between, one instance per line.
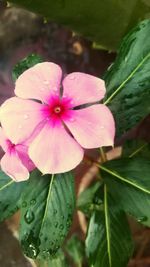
x=83, y=88
x=55, y=151
x=13, y=167
x=39, y=82
x=3, y=140
x=22, y=151
x=93, y=126
x=19, y=118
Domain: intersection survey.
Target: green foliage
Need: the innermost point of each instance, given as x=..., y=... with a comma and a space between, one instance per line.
x=25, y=64
x=58, y=261
x=75, y=249
x=128, y=79
x=102, y=21
x=87, y=201
x=108, y=242
x=128, y=181
x=47, y=208
x=10, y=194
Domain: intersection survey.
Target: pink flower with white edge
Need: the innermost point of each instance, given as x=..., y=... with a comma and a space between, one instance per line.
x=53, y=116
x=15, y=163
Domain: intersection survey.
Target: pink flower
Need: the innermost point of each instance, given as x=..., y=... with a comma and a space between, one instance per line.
x=59, y=132
x=15, y=163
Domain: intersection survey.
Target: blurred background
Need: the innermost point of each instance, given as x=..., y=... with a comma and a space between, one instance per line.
x=23, y=33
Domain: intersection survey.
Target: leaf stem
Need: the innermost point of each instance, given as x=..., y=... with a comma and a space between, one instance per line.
x=103, y=155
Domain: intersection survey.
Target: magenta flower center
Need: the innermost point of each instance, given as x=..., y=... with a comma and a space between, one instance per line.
x=58, y=109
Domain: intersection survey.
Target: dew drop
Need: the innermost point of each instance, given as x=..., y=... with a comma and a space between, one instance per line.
x=24, y=204
x=33, y=201
x=20, y=126
x=102, y=127
x=142, y=219
x=29, y=217
x=56, y=224
x=26, y=116
x=33, y=250
x=55, y=212
x=61, y=227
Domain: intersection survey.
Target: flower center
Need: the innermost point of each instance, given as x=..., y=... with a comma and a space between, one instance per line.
x=57, y=109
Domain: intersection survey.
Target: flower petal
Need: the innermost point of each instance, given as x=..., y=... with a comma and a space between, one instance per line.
x=22, y=151
x=39, y=82
x=93, y=126
x=83, y=88
x=19, y=118
x=55, y=151
x=13, y=167
x=3, y=140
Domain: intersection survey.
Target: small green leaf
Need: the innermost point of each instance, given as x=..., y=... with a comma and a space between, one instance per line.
x=108, y=242
x=75, y=249
x=10, y=194
x=128, y=181
x=25, y=64
x=86, y=199
x=46, y=214
x=128, y=79
x=102, y=21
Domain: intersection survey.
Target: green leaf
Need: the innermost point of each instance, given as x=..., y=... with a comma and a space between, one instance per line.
x=108, y=242
x=128, y=181
x=10, y=194
x=135, y=147
x=46, y=214
x=128, y=80
x=102, y=21
x=25, y=64
x=75, y=249
x=59, y=261
x=86, y=200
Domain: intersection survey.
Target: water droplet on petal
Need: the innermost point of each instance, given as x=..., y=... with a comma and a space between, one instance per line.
x=20, y=126
x=102, y=127
x=26, y=116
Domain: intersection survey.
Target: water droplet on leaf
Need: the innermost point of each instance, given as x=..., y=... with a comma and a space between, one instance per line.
x=142, y=219
x=29, y=217
x=33, y=201
x=24, y=204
